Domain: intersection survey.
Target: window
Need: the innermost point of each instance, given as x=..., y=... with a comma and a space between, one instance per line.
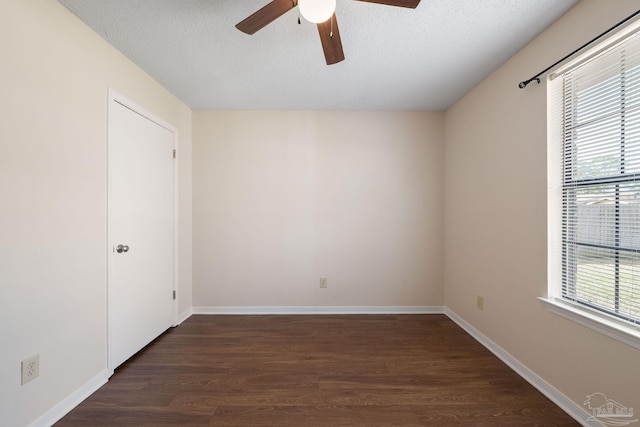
x=594, y=170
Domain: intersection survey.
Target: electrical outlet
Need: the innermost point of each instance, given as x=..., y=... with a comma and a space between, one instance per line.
x=480, y=302
x=30, y=368
x=323, y=282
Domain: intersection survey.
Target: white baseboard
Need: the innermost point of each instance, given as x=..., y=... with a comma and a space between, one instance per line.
x=56, y=413
x=319, y=310
x=566, y=404
x=184, y=316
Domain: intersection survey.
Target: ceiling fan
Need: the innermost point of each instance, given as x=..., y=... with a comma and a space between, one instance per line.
x=320, y=12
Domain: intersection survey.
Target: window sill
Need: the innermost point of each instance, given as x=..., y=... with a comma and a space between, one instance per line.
x=629, y=335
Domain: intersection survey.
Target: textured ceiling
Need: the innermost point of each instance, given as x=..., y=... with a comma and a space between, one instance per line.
x=396, y=59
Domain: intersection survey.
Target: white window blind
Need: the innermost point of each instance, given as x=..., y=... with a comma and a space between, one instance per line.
x=601, y=182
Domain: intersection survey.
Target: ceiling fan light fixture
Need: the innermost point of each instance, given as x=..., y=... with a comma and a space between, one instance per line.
x=317, y=11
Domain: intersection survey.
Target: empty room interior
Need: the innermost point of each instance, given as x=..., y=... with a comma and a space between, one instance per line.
x=405, y=186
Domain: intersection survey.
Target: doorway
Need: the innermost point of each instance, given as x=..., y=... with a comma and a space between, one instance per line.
x=141, y=228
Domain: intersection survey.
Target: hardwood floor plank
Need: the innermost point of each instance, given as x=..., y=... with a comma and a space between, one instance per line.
x=314, y=416
x=139, y=417
x=359, y=370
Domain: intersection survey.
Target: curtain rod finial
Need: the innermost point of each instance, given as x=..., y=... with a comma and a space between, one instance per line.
x=524, y=84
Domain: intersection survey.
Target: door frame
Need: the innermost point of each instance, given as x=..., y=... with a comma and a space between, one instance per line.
x=116, y=97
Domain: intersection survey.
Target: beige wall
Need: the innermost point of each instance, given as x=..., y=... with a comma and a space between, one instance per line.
x=284, y=198
x=495, y=244
x=55, y=73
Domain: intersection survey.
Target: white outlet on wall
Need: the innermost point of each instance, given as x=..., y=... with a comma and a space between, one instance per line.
x=480, y=302
x=323, y=282
x=30, y=368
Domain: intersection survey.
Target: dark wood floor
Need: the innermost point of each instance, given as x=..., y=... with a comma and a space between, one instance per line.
x=373, y=370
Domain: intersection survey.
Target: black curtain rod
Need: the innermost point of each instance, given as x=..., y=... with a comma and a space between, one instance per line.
x=524, y=84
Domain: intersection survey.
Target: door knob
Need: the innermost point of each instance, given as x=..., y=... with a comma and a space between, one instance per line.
x=122, y=248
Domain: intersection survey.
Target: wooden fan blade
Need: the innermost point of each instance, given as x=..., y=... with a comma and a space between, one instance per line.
x=265, y=16
x=330, y=38
x=412, y=4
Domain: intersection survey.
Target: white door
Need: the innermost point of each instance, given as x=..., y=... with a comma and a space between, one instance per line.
x=141, y=230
